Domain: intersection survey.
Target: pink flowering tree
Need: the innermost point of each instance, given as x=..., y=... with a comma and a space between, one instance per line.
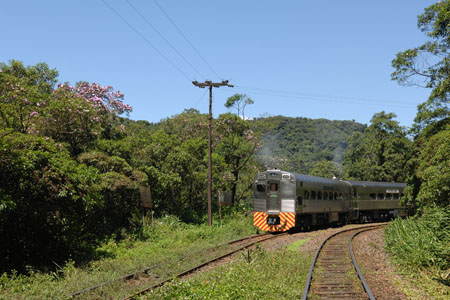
x=102, y=97
x=187, y=125
x=79, y=115
x=68, y=118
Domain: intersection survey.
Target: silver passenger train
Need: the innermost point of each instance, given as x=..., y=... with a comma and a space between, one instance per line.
x=283, y=200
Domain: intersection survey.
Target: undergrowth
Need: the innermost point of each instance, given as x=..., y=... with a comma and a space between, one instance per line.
x=257, y=274
x=421, y=244
x=167, y=240
x=421, y=241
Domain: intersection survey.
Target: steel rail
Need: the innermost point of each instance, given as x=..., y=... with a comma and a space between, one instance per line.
x=125, y=277
x=355, y=264
x=186, y=272
x=308, y=280
x=132, y=275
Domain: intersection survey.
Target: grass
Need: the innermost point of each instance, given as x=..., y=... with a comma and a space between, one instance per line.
x=421, y=283
x=167, y=241
x=374, y=245
x=267, y=275
x=421, y=248
x=421, y=241
x=295, y=246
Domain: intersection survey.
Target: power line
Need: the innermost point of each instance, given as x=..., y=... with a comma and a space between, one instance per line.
x=200, y=99
x=186, y=39
x=331, y=100
x=318, y=95
x=321, y=97
x=324, y=99
x=147, y=41
x=162, y=36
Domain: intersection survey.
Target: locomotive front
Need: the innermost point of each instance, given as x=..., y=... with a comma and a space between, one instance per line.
x=274, y=201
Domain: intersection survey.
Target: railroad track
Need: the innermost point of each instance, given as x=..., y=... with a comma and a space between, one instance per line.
x=236, y=245
x=245, y=243
x=330, y=273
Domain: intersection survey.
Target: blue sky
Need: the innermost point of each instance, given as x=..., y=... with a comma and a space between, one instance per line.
x=316, y=59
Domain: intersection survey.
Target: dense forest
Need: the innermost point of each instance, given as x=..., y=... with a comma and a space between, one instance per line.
x=71, y=167
x=71, y=164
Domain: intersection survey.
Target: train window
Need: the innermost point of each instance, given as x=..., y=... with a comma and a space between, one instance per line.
x=306, y=195
x=261, y=188
x=325, y=195
x=388, y=196
x=402, y=195
x=341, y=196
x=299, y=200
x=380, y=196
x=273, y=187
x=336, y=196
x=373, y=196
x=313, y=195
x=395, y=196
x=319, y=195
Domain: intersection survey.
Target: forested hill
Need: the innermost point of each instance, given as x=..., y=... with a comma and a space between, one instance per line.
x=292, y=144
x=299, y=144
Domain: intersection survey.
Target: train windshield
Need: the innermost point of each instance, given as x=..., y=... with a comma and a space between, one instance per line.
x=260, y=187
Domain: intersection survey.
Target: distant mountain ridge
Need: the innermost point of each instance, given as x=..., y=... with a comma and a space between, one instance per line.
x=297, y=144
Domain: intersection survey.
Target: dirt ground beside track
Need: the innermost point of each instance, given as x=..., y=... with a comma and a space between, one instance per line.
x=368, y=247
x=373, y=260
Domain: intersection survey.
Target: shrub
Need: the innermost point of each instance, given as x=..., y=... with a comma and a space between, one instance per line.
x=421, y=241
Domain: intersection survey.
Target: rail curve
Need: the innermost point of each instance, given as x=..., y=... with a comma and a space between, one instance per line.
x=355, y=265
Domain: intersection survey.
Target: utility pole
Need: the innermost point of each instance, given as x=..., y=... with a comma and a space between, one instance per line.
x=210, y=84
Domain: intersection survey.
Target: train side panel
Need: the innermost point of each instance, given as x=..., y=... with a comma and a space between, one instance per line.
x=283, y=200
x=377, y=200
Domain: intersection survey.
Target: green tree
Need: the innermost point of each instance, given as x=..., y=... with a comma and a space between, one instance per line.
x=22, y=92
x=326, y=169
x=380, y=153
x=174, y=159
x=428, y=65
x=433, y=171
x=51, y=193
x=118, y=183
x=46, y=199
x=237, y=144
x=49, y=198
x=239, y=102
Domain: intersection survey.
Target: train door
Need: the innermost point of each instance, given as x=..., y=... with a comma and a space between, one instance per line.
x=354, y=203
x=273, y=197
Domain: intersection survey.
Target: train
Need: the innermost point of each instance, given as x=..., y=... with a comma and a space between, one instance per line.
x=285, y=200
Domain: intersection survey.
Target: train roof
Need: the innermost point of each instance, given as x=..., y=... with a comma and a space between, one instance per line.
x=376, y=184
x=316, y=179
x=353, y=183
